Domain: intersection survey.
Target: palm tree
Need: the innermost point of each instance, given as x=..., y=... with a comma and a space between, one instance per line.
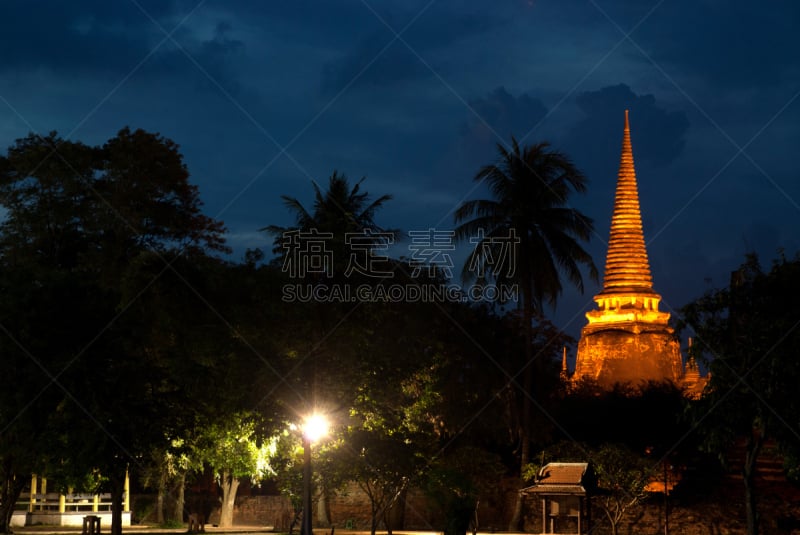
x=340, y=210
x=530, y=188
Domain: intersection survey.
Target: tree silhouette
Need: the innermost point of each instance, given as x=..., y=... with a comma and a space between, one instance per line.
x=340, y=210
x=529, y=212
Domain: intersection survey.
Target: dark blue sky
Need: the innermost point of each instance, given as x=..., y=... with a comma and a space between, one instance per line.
x=263, y=97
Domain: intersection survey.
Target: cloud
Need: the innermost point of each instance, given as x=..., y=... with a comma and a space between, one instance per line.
x=490, y=120
x=427, y=43
x=731, y=43
x=369, y=65
x=74, y=37
x=496, y=117
x=107, y=40
x=658, y=135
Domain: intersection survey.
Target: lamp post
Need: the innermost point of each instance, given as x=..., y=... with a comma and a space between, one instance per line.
x=305, y=527
x=314, y=428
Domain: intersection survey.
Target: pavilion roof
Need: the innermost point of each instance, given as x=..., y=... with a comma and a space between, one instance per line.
x=562, y=478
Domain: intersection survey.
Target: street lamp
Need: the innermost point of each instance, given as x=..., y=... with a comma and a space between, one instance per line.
x=314, y=428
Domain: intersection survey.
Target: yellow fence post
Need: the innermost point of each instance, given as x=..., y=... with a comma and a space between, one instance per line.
x=126, y=506
x=43, y=502
x=34, y=480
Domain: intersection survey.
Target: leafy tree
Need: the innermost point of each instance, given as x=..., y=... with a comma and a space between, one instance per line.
x=82, y=224
x=38, y=243
x=748, y=335
x=166, y=471
x=44, y=189
x=323, y=344
x=38, y=329
x=234, y=450
x=623, y=478
x=287, y=463
x=383, y=465
x=149, y=202
x=23, y=433
x=530, y=187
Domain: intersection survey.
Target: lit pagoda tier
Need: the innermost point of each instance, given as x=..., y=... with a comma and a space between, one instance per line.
x=627, y=339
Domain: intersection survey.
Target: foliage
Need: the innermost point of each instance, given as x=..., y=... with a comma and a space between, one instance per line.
x=235, y=448
x=623, y=476
x=339, y=210
x=79, y=221
x=457, y=481
x=591, y=415
x=530, y=187
x=618, y=476
x=287, y=462
x=747, y=334
x=383, y=464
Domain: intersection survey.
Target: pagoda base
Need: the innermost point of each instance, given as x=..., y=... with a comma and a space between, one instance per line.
x=633, y=353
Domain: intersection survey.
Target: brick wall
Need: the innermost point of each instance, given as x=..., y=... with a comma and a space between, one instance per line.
x=779, y=506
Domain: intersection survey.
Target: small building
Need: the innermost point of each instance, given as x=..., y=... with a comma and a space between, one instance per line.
x=565, y=490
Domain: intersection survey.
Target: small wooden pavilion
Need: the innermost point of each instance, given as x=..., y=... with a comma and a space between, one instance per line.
x=565, y=490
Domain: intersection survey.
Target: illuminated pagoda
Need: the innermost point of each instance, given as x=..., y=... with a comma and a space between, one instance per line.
x=627, y=338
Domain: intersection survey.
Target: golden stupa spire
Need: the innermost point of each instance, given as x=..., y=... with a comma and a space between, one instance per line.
x=627, y=267
x=627, y=339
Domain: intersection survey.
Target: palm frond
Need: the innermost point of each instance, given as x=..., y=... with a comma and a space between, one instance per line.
x=530, y=188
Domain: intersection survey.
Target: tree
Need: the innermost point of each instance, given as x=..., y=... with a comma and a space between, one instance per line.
x=322, y=355
x=166, y=471
x=748, y=334
x=456, y=482
x=383, y=465
x=37, y=310
x=81, y=225
x=234, y=450
x=623, y=476
x=338, y=213
x=529, y=212
x=340, y=210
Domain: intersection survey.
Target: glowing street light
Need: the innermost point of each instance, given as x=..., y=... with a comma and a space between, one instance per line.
x=314, y=428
